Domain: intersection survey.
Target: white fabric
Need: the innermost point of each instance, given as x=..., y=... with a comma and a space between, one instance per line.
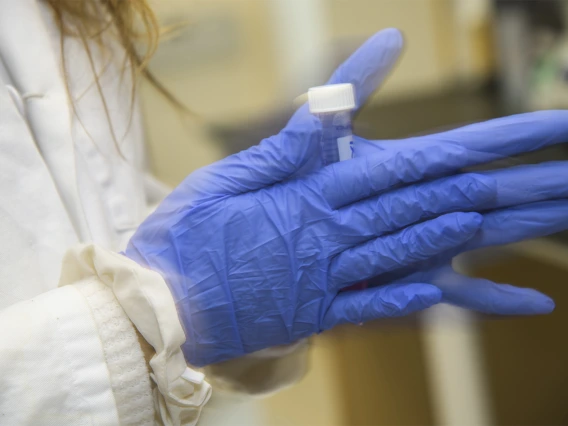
x=146, y=299
x=47, y=105
x=125, y=361
x=62, y=182
x=53, y=368
x=32, y=217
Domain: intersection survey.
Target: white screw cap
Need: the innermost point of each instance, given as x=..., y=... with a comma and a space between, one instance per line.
x=331, y=98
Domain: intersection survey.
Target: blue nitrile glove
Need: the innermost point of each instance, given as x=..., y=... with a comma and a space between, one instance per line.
x=255, y=259
x=531, y=201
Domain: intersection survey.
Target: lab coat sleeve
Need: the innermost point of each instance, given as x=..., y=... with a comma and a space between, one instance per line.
x=73, y=356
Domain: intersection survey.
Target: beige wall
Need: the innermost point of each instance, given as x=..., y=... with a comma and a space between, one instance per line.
x=441, y=48
x=243, y=79
x=420, y=69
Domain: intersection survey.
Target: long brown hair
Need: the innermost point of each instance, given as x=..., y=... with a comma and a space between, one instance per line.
x=132, y=22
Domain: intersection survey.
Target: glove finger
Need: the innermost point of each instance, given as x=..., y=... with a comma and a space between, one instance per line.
x=390, y=301
x=490, y=298
x=520, y=223
x=490, y=140
x=366, y=69
x=530, y=183
x=297, y=146
x=499, y=227
x=517, y=185
x=403, y=249
x=398, y=209
x=346, y=182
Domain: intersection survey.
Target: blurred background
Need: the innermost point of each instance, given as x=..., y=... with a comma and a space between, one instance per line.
x=239, y=65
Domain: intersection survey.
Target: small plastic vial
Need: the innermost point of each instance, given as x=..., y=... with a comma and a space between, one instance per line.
x=334, y=105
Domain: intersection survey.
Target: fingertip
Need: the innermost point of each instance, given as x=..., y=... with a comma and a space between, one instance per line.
x=414, y=297
x=529, y=302
x=367, y=68
x=485, y=186
x=469, y=223
x=428, y=294
x=394, y=36
x=549, y=305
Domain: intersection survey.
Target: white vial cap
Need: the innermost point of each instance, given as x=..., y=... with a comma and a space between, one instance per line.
x=331, y=98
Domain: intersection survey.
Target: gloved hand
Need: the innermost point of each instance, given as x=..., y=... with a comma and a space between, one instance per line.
x=256, y=259
x=531, y=201
x=261, y=268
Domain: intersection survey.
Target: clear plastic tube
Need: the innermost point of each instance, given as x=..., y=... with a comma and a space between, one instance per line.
x=333, y=105
x=337, y=136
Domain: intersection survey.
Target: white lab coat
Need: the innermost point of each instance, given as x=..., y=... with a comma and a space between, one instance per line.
x=87, y=337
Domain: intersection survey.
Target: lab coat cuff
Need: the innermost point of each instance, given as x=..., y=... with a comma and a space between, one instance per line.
x=125, y=363
x=180, y=392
